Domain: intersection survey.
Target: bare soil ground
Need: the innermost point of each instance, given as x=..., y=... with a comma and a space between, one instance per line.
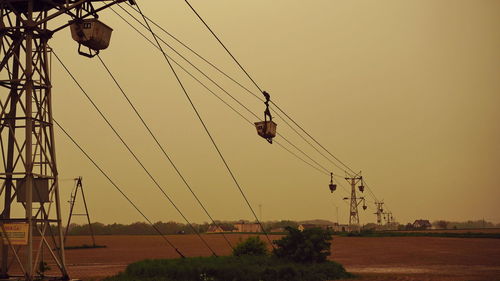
x=370, y=258
x=477, y=230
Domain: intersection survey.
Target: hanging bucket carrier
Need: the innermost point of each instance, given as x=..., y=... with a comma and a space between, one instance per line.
x=92, y=34
x=332, y=186
x=266, y=128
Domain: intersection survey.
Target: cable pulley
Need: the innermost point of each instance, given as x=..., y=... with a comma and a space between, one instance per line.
x=266, y=128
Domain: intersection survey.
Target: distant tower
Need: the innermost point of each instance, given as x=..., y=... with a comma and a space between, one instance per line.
x=29, y=173
x=380, y=212
x=72, y=202
x=388, y=217
x=355, y=201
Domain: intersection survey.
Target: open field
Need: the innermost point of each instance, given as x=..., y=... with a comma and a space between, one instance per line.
x=372, y=258
x=473, y=230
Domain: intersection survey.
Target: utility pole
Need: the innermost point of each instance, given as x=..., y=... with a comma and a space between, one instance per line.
x=380, y=212
x=72, y=202
x=354, y=200
x=29, y=171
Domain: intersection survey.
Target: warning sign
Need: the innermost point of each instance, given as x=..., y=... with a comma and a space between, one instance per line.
x=17, y=233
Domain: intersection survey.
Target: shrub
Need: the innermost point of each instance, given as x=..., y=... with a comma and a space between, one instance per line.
x=308, y=246
x=232, y=268
x=253, y=246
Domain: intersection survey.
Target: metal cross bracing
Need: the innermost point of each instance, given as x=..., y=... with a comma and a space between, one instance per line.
x=29, y=169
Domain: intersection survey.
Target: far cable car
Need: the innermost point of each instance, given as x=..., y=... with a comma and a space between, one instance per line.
x=91, y=33
x=332, y=186
x=266, y=128
x=362, y=185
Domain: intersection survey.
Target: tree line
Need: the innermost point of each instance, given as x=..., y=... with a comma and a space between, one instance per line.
x=142, y=228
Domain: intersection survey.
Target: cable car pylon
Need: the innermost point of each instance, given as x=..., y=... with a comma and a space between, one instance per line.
x=354, y=200
x=379, y=212
x=29, y=171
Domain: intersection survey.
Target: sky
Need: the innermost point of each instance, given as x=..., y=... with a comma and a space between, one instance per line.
x=405, y=91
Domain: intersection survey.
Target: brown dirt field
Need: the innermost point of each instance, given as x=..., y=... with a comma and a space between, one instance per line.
x=472, y=230
x=370, y=258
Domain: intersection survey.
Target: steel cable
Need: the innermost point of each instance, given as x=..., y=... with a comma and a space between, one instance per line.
x=133, y=154
x=205, y=126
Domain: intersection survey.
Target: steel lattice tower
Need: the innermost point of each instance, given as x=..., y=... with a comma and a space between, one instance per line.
x=354, y=200
x=29, y=174
x=380, y=212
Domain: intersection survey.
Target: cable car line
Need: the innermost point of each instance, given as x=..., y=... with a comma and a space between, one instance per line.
x=220, y=87
x=161, y=147
x=239, y=84
x=325, y=171
x=259, y=88
x=232, y=79
x=229, y=77
x=134, y=155
x=225, y=91
x=205, y=127
x=210, y=79
x=117, y=188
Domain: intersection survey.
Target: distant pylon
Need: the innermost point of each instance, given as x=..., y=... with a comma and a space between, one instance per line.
x=380, y=212
x=72, y=202
x=355, y=201
x=388, y=217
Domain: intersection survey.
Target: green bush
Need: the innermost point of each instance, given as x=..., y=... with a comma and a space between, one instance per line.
x=253, y=246
x=242, y=268
x=308, y=246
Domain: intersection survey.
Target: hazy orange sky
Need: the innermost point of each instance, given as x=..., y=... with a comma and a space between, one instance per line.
x=406, y=91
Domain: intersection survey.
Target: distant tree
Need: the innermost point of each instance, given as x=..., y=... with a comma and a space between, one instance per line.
x=309, y=246
x=442, y=224
x=409, y=226
x=370, y=226
x=253, y=246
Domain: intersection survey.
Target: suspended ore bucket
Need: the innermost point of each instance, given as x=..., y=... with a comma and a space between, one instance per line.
x=91, y=33
x=266, y=129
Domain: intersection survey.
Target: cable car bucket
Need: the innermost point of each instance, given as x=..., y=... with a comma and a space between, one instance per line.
x=266, y=128
x=332, y=186
x=91, y=33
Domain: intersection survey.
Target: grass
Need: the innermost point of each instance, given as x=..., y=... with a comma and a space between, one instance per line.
x=231, y=268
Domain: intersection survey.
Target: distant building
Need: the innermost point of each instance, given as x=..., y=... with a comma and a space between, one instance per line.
x=219, y=229
x=303, y=227
x=421, y=224
x=341, y=227
x=247, y=227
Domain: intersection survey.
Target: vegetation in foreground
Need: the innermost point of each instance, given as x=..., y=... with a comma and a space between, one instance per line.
x=299, y=256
